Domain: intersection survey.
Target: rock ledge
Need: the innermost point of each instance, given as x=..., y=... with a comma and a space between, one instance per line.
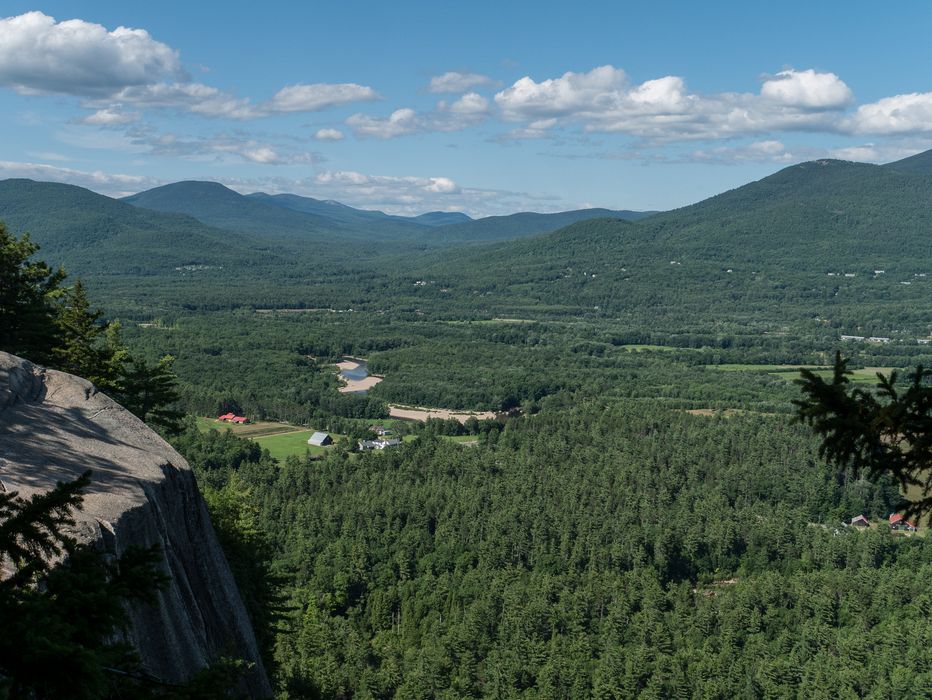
x=53, y=427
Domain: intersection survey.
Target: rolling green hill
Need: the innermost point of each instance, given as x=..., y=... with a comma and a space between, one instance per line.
x=350, y=216
x=293, y=216
x=220, y=206
x=919, y=163
x=821, y=216
x=442, y=218
x=523, y=224
x=93, y=234
x=798, y=247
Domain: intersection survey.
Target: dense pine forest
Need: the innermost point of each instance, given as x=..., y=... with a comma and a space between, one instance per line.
x=645, y=516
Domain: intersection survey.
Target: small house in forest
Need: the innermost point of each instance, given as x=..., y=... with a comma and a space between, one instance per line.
x=860, y=521
x=898, y=522
x=379, y=444
x=320, y=439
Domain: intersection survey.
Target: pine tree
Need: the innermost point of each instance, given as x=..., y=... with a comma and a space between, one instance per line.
x=889, y=435
x=59, y=619
x=149, y=391
x=81, y=349
x=27, y=293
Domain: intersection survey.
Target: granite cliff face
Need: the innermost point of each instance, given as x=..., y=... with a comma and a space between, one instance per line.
x=53, y=427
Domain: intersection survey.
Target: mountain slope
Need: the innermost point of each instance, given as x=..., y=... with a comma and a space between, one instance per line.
x=442, y=218
x=216, y=205
x=780, y=246
x=522, y=224
x=819, y=214
x=376, y=224
x=91, y=233
x=919, y=163
x=290, y=215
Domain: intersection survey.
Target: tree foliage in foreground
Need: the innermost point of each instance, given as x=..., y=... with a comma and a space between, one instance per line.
x=59, y=620
x=57, y=326
x=882, y=432
x=64, y=606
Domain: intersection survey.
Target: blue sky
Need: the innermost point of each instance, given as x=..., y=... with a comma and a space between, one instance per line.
x=482, y=107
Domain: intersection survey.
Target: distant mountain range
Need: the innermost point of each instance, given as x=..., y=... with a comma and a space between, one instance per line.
x=293, y=215
x=812, y=215
x=335, y=211
x=820, y=216
x=94, y=234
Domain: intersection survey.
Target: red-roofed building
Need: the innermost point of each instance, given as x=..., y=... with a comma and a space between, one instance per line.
x=898, y=522
x=239, y=419
x=226, y=416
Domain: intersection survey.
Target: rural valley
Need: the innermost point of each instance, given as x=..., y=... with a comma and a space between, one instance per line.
x=327, y=434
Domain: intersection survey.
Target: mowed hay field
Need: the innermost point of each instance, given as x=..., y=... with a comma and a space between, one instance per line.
x=249, y=430
x=864, y=375
x=280, y=439
x=284, y=445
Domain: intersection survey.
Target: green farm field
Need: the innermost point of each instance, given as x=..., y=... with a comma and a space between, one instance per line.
x=284, y=445
x=250, y=430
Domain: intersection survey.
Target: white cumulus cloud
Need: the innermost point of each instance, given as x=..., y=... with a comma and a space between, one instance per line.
x=329, y=135
x=442, y=185
x=899, y=114
x=112, y=184
x=573, y=92
x=111, y=116
x=469, y=110
x=41, y=55
x=399, y=123
x=311, y=98
x=663, y=109
x=454, y=81
x=807, y=89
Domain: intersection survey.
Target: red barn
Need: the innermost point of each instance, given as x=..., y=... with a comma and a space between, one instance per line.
x=226, y=416
x=239, y=419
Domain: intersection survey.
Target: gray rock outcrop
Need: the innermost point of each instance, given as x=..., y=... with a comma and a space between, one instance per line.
x=53, y=427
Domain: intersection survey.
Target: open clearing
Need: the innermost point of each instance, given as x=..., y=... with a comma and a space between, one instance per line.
x=351, y=386
x=736, y=367
x=864, y=375
x=635, y=347
x=293, y=443
x=420, y=413
x=249, y=430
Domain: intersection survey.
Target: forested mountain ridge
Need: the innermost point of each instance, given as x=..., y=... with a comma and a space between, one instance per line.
x=339, y=212
x=296, y=216
x=524, y=224
x=97, y=235
x=217, y=205
x=818, y=217
x=919, y=163
x=819, y=213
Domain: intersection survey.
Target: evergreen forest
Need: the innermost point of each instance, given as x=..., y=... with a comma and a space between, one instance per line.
x=644, y=505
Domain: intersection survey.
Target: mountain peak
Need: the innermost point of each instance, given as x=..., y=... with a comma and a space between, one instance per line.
x=919, y=163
